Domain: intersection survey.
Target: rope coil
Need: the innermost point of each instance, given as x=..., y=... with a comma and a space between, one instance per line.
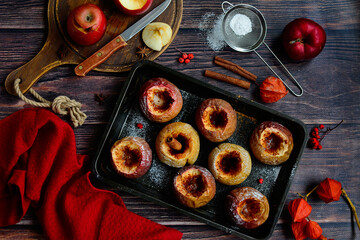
x=61, y=104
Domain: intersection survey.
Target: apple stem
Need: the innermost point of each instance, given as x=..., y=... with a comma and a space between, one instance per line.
x=179, y=51
x=300, y=40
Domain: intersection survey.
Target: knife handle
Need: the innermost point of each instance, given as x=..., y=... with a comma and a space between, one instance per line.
x=99, y=56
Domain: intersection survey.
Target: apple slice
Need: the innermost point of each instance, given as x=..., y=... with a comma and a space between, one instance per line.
x=156, y=35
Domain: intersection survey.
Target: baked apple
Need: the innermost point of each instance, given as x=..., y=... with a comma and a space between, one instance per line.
x=271, y=143
x=131, y=157
x=177, y=143
x=194, y=186
x=230, y=163
x=216, y=119
x=246, y=207
x=160, y=100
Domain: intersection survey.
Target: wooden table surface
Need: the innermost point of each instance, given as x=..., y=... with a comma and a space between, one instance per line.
x=331, y=85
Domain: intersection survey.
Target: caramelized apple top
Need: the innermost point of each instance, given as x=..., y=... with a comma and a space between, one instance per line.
x=275, y=138
x=159, y=99
x=194, y=184
x=184, y=141
x=272, y=142
x=230, y=162
x=131, y=156
x=247, y=207
x=250, y=209
x=217, y=117
x=126, y=157
x=183, y=147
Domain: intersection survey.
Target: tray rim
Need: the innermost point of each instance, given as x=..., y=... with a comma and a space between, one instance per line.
x=148, y=197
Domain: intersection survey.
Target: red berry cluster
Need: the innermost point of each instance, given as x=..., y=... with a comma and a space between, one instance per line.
x=185, y=57
x=315, y=138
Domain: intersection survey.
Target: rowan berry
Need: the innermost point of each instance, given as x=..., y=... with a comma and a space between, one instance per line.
x=261, y=180
x=187, y=61
x=181, y=60
x=321, y=126
x=190, y=56
x=184, y=56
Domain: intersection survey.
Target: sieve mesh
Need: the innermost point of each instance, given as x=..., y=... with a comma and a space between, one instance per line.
x=250, y=41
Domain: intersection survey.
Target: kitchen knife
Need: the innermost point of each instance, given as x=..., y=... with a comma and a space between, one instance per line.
x=119, y=42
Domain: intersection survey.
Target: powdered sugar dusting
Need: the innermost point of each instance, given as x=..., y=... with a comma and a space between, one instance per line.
x=159, y=176
x=211, y=26
x=241, y=24
x=206, y=21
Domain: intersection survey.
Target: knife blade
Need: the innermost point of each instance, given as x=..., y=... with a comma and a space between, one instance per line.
x=119, y=42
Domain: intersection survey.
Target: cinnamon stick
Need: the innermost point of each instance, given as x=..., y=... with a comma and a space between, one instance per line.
x=228, y=79
x=235, y=68
x=173, y=143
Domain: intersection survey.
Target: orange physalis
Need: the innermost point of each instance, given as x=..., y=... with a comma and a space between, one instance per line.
x=272, y=90
x=313, y=230
x=299, y=209
x=329, y=190
x=299, y=229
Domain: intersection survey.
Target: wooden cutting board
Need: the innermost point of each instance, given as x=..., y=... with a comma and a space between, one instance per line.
x=59, y=50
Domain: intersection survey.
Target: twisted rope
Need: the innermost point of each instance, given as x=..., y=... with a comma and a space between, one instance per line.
x=61, y=104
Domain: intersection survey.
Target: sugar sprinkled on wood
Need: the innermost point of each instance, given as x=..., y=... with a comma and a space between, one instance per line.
x=211, y=26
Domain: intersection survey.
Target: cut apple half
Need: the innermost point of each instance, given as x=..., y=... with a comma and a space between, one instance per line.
x=156, y=35
x=133, y=4
x=133, y=7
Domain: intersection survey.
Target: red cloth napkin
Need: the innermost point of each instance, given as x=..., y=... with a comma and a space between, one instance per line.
x=39, y=167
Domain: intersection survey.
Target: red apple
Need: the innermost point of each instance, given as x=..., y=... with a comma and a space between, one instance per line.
x=133, y=7
x=86, y=24
x=303, y=39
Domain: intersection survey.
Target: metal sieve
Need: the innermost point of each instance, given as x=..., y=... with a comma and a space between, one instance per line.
x=252, y=40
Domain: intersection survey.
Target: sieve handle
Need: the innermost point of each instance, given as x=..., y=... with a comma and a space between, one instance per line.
x=223, y=5
x=288, y=72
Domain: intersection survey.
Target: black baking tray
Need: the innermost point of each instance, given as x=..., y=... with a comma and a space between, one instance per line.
x=156, y=186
